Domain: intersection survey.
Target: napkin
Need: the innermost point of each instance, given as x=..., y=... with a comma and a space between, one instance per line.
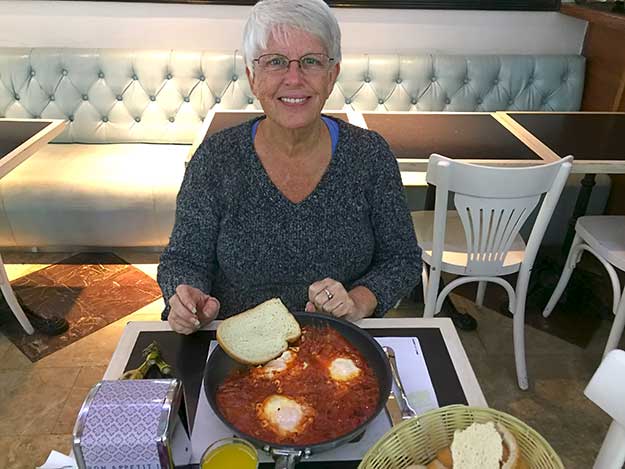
x=58, y=460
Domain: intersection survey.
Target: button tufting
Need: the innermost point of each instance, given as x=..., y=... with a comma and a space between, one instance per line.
x=152, y=98
x=119, y=97
x=37, y=117
x=433, y=79
x=168, y=76
x=217, y=99
x=101, y=75
x=32, y=73
x=250, y=100
x=135, y=77
x=530, y=80
x=367, y=79
x=496, y=81
x=202, y=78
x=85, y=97
x=380, y=101
x=466, y=80
x=105, y=119
x=413, y=101
x=510, y=102
x=186, y=99
x=64, y=72
x=348, y=101
x=478, y=100
x=52, y=97
x=447, y=101
x=564, y=79
x=171, y=119
x=235, y=77
x=398, y=81
x=17, y=97
x=137, y=119
x=71, y=118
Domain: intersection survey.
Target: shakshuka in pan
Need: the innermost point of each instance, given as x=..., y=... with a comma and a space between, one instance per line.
x=319, y=389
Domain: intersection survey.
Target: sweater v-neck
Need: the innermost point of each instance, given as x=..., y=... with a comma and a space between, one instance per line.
x=269, y=187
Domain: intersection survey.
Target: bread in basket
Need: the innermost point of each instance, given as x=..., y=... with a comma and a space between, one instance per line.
x=416, y=441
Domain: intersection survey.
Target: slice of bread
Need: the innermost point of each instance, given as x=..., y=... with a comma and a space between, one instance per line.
x=479, y=446
x=260, y=334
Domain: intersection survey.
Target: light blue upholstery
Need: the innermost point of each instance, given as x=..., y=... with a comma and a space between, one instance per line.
x=124, y=97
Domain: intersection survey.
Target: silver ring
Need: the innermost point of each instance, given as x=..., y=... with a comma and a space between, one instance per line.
x=328, y=294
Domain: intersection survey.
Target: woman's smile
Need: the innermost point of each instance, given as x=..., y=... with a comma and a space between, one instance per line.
x=294, y=100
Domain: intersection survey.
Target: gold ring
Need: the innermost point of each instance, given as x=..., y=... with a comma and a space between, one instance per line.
x=328, y=294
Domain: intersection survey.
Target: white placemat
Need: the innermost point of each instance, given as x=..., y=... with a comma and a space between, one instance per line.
x=415, y=378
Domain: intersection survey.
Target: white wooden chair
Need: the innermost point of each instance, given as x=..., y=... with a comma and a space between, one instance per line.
x=604, y=237
x=607, y=389
x=480, y=240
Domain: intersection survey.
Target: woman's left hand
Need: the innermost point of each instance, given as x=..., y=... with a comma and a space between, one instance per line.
x=330, y=297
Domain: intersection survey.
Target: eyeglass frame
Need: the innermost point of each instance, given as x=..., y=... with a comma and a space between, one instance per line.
x=299, y=62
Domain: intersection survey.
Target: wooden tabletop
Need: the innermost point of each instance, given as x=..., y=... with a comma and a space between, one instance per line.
x=20, y=138
x=465, y=136
x=595, y=139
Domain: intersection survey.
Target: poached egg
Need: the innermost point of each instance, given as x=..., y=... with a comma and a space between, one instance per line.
x=284, y=415
x=343, y=369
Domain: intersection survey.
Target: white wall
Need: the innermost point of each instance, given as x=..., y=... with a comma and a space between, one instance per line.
x=28, y=23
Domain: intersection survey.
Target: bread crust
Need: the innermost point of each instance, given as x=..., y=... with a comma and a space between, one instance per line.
x=509, y=441
x=444, y=456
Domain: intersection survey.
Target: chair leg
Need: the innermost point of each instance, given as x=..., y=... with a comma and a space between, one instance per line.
x=11, y=299
x=432, y=293
x=518, y=329
x=617, y=327
x=481, y=291
x=571, y=261
x=424, y=280
x=612, y=452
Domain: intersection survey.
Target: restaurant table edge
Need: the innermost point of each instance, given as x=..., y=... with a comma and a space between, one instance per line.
x=9, y=162
x=22, y=152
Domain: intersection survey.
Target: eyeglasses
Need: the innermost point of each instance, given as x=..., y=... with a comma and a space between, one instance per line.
x=309, y=63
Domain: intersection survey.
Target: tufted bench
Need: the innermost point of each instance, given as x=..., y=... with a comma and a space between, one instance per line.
x=111, y=178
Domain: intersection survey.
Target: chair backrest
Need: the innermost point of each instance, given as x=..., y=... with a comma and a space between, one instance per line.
x=493, y=204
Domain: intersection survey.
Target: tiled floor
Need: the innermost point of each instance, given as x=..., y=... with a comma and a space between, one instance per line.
x=39, y=401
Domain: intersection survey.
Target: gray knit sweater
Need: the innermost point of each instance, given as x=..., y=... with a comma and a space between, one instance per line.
x=239, y=239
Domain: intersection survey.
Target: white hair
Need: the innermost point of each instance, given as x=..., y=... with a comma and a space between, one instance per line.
x=278, y=16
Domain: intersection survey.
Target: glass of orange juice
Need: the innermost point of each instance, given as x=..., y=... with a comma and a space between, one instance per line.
x=230, y=453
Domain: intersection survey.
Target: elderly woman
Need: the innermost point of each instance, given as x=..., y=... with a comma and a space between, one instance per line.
x=295, y=204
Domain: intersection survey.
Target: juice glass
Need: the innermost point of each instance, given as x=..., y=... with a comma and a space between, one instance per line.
x=230, y=453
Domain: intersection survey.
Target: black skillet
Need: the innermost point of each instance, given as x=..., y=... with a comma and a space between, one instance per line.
x=220, y=365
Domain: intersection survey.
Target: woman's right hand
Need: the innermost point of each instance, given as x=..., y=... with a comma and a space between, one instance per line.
x=190, y=309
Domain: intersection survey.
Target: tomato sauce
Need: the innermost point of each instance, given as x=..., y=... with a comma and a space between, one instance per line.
x=336, y=407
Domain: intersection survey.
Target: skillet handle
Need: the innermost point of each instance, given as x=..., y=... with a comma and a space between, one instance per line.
x=286, y=459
